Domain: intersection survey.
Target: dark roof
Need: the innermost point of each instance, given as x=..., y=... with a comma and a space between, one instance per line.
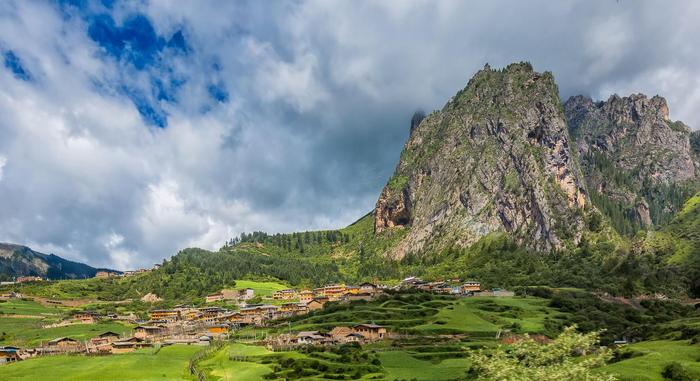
x=130, y=340
x=59, y=339
x=109, y=333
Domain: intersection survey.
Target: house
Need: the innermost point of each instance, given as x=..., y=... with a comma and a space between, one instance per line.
x=310, y=337
x=470, y=286
x=316, y=304
x=352, y=338
x=334, y=292
x=25, y=279
x=169, y=315
x=352, y=290
x=214, y=297
x=129, y=345
x=103, y=342
x=65, y=344
x=305, y=296
x=360, y=296
x=104, y=274
x=230, y=318
x=86, y=317
x=338, y=333
x=368, y=288
x=264, y=311
x=9, y=354
x=287, y=294
x=291, y=309
x=105, y=338
x=246, y=294
x=318, y=292
x=10, y=295
x=370, y=331
x=149, y=331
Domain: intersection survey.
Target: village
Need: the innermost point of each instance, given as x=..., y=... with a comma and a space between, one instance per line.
x=191, y=325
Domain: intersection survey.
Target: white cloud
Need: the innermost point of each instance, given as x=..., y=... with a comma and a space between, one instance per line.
x=319, y=99
x=3, y=161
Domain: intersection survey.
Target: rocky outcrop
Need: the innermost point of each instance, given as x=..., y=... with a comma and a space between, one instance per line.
x=496, y=158
x=634, y=156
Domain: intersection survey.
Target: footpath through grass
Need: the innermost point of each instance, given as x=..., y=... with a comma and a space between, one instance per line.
x=170, y=363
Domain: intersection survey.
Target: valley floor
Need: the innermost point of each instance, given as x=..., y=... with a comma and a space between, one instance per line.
x=434, y=336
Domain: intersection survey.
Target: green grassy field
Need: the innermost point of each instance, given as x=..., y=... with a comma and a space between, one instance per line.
x=28, y=332
x=21, y=324
x=170, y=363
x=654, y=356
x=401, y=365
x=491, y=314
x=220, y=367
x=261, y=288
x=432, y=315
x=26, y=307
x=66, y=289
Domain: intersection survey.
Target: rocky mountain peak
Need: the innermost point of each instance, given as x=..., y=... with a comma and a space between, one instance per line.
x=633, y=156
x=634, y=128
x=496, y=158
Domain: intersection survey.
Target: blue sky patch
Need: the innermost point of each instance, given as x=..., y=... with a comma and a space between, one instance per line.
x=14, y=64
x=135, y=42
x=218, y=92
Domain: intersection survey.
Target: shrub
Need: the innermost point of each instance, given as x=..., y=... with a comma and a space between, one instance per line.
x=676, y=372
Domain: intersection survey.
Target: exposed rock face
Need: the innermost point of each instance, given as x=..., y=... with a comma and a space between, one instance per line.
x=496, y=158
x=633, y=155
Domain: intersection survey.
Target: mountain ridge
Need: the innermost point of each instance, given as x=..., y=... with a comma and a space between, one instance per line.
x=18, y=260
x=497, y=157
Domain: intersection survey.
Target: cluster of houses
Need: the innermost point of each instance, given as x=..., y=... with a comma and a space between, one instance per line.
x=452, y=287
x=22, y=279
x=239, y=295
x=359, y=333
x=333, y=293
x=105, y=343
x=10, y=295
x=114, y=274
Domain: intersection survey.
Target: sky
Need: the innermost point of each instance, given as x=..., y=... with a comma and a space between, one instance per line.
x=130, y=130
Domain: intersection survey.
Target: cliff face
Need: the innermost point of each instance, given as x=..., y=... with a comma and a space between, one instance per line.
x=497, y=157
x=633, y=156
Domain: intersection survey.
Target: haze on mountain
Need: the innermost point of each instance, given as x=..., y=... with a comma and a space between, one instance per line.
x=131, y=131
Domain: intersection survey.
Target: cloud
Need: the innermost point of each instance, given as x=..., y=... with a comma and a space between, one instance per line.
x=133, y=129
x=3, y=161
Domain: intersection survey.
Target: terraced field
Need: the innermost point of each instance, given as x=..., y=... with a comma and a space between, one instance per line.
x=651, y=357
x=21, y=323
x=430, y=315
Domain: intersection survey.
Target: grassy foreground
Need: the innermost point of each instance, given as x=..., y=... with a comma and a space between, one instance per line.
x=652, y=356
x=170, y=363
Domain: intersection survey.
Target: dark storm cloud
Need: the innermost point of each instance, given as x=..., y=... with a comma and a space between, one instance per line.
x=133, y=129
